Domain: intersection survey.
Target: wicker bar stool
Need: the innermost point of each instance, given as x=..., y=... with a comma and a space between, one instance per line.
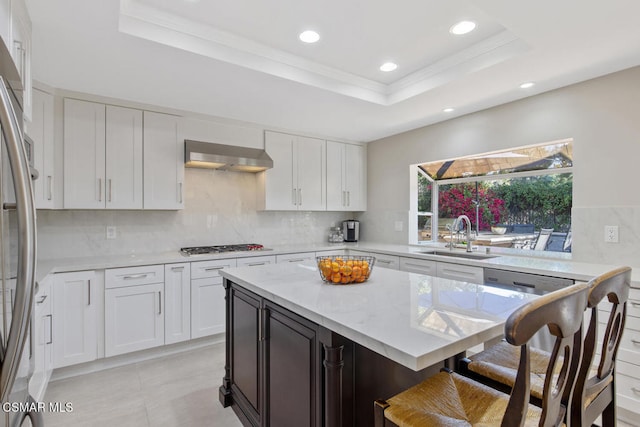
x=450, y=399
x=595, y=388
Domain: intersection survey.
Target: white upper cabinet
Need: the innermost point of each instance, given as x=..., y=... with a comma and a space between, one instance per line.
x=15, y=30
x=163, y=162
x=123, y=179
x=121, y=158
x=41, y=132
x=297, y=180
x=102, y=156
x=84, y=155
x=346, y=177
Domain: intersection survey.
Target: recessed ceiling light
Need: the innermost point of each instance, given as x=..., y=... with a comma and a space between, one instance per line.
x=309, y=36
x=462, y=27
x=448, y=110
x=527, y=85
x=388, y=66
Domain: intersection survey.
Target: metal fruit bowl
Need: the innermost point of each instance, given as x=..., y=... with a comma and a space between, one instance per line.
x=343, y=270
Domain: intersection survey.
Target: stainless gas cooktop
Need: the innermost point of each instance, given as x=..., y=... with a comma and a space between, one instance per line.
x=206, y=250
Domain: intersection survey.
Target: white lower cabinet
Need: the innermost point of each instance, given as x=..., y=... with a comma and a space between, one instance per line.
x=134, y=309
x=207, y=297
x=43, y=341
x=462, y=272
x=256, y=260
x=421, y=266
x=382, y=260
x=295, y=258
x=177, y=303
x=76, y=300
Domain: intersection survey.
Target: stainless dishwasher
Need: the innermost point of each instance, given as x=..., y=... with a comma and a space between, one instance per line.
x=529, y=283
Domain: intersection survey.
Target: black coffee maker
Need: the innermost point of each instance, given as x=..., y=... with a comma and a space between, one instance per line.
x=351, y=230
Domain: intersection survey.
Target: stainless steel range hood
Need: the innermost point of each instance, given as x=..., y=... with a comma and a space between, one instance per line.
x=199, y=154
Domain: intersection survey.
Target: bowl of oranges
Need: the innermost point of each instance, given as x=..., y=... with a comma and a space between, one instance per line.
x=343, y=270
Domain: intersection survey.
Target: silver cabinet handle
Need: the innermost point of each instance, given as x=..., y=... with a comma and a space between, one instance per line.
x=88, y=292
x=384, y=261
x=16, y=336
x=296, y=260
x=299, y=196
x=50, y=182
x=348, y=198
x=253, y=264
x=635, y=390
x=180, y=192
x=135, y=276
x=636, y=342
x=110, y=189
x=42, y=299
x=635, y=304
x=99, y=189
x=293, y=197
x=213, y=268
x=159, y=302
x=50, y=341
x=177, y=268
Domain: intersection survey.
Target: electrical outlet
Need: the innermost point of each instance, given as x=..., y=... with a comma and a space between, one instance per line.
x=611, y=234
x=111, y=232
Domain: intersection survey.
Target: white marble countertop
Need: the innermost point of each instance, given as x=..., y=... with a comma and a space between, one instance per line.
x=545, y=263
x=415, y=320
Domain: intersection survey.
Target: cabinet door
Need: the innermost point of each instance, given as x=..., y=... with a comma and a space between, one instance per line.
x=163, y=162
x=246, y=353
x=41, y=132
x=134, y=318
x=346, y=177
x=42, y=353
x=84, y=155
x=177, y=302
x=336, y=192
x=355, y=176
x=292, y=381
x=123, y=158
x=462, y=272
x=421, y=266
x=280, y=188
x=74, y=318
x=310, y=173
x=207, y=307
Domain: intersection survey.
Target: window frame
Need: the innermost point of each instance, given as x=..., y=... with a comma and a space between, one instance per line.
x=413, y=210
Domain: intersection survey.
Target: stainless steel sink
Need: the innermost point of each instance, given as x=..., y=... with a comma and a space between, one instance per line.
x=469, y=255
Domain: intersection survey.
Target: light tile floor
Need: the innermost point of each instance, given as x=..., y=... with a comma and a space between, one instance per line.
x=176, y=390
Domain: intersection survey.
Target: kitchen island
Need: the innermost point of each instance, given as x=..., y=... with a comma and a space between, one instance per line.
x=302, y=352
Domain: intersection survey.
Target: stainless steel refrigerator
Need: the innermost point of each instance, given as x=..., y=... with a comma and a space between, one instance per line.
x=17, y=254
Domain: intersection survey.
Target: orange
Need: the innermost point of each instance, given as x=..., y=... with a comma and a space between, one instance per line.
x=336, y=277
x=335, y=267
x=357, y=272
x=346, y=270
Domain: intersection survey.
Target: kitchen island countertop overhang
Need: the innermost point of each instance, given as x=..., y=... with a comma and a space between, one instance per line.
x=412, y=319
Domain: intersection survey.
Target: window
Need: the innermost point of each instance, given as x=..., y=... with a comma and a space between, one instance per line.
x=517, y=192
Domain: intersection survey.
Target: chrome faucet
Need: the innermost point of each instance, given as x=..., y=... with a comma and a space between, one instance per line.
x=456, y=226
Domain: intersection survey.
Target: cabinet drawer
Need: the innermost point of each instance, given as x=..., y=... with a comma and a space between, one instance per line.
x=133, y=276
x=256, y=260
x=627, y=387
x=421, y=266
x=299, y=257
x=466, y=273
x=203, y=269
x=386, y=261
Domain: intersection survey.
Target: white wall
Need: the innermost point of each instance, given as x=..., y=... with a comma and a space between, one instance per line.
x=601, y=115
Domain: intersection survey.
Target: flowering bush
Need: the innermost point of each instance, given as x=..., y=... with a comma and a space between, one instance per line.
x=460, y=199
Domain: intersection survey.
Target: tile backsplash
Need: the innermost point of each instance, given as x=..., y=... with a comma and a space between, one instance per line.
x=220, y=208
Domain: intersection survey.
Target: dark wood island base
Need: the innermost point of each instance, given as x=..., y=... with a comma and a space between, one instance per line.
x=283, y=370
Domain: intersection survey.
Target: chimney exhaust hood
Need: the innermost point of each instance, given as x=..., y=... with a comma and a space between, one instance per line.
x=199, y=154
